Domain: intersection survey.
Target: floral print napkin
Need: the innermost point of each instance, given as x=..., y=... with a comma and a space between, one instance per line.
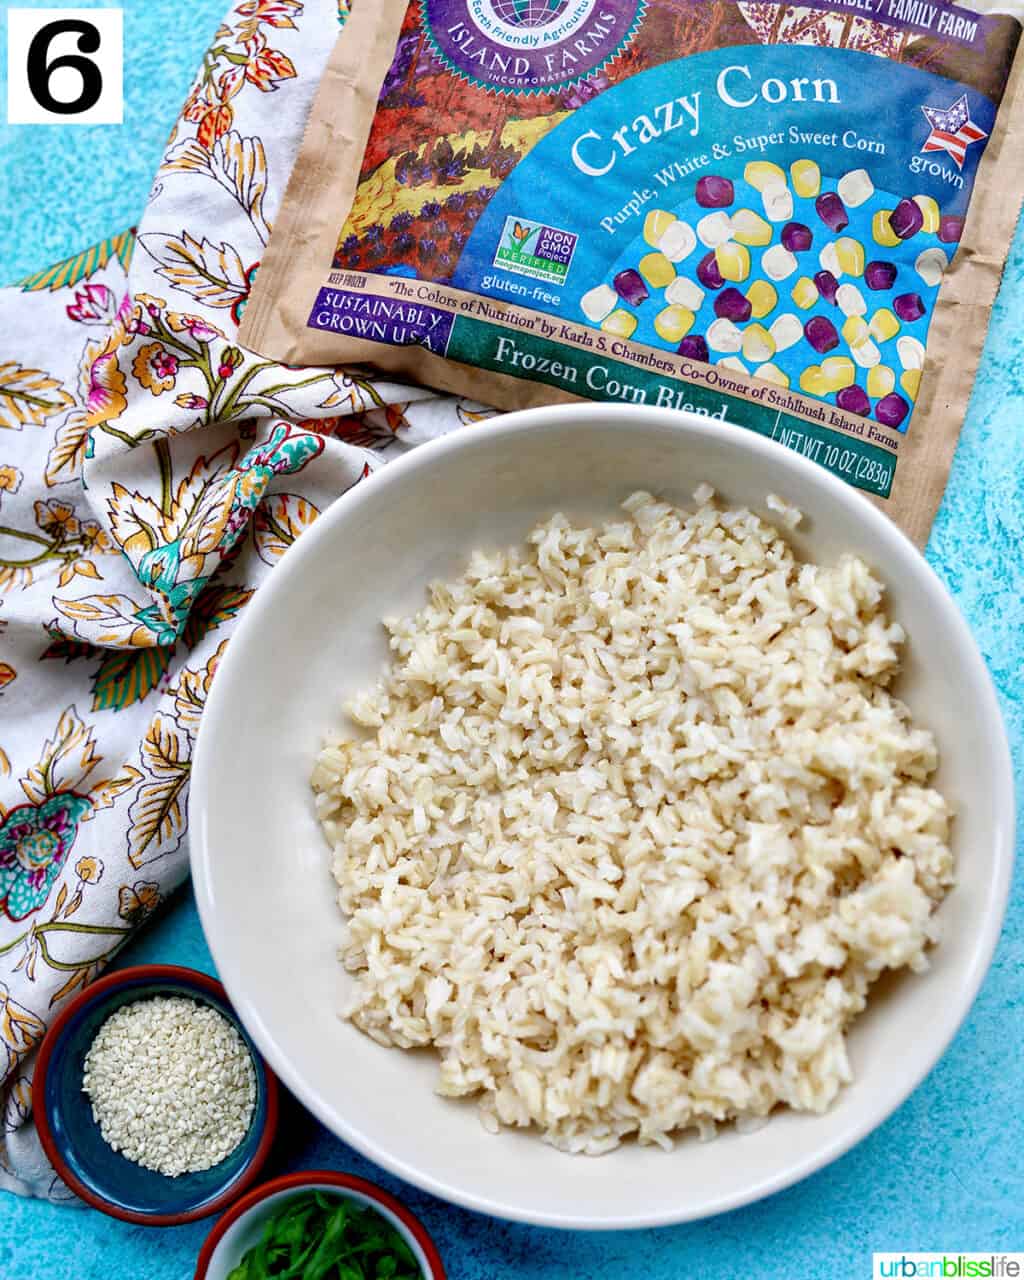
x=152, y=472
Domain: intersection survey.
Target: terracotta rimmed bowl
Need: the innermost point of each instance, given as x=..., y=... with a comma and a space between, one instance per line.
x=71, y=1137
x=239, y=1229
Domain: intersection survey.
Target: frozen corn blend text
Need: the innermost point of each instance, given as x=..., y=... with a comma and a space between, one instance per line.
x=792, y=218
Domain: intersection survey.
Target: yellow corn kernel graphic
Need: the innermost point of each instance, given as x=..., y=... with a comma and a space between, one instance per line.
x=762, y=298
x=838, y=372
x=673, y=324
x=929, y=211
x=884, y=325
x=733, y=261
x=850, y=253
x=758, y=344
x=812, y=380
x=910, y=381
x=806, y=177
x=657, y=270
x=749, y=227
x=772, y=373
x=621, y=323
x=762, y=173
x=656, y=224
x=881, y=231
x=881, y=381
x=855, y=330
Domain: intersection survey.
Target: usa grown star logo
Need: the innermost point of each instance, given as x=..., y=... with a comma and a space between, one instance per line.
x=952, y=130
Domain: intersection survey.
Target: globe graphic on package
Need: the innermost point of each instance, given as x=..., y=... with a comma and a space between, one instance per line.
x=530, y=13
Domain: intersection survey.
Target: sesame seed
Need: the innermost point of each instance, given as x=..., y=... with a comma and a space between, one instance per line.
x=172, y=1084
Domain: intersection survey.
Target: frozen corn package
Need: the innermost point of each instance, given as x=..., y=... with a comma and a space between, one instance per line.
x=788, y=217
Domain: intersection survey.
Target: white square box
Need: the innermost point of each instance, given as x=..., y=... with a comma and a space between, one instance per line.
x=65, y=66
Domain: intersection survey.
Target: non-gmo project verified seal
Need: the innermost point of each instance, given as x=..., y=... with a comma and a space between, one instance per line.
x=949, y=1266
x=532, y=249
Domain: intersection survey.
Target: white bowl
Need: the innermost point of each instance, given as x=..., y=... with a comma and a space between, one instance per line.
x=312, y=636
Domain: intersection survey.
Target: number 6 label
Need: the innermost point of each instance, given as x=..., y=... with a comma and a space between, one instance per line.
x=64, y=66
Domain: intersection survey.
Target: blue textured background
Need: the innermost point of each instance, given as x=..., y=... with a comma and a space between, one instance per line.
x=945, y=1172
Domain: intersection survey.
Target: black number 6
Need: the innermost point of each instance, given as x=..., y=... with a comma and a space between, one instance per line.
x=40, y=71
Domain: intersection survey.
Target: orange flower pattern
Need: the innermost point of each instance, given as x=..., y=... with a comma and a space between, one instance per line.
x=153, y=473
x=155, y=368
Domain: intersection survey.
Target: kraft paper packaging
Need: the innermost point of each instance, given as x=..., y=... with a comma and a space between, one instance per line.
x=793, y=218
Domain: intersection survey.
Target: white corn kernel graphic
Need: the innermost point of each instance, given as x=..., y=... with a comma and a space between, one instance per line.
x=786, y=331
x=678, y=241
x=829, y=260
x=778, y=202
x=685, y=293
x=714, y=229
x=855, y=188
x=778, y=263
x=910, y=352
x=599, y=302
x=850, y=300
x=930, y=266
x=723, y=335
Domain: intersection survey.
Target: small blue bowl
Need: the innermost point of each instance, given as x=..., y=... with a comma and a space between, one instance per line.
x=71, y=1137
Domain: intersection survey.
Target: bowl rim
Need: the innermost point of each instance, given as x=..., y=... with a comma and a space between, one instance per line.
x=309, y=1177
x=894, y=544
x=99, y=989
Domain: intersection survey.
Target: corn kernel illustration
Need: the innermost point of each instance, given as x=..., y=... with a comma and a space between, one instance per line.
x=910, y=352
x=881, y=231
x=850, y=253
x=930, y=212
x=758, y=344
x=678, y=242
x=778, y=202
x=910, y=381
x=714, y=228
x=866, y=354
x=599, y=302
x=884, y=325
x=621, y=323
x=657, y=270
x=762, y=297
x=762, y=173
x=855, y=329
x=930, y=266
x=750, y=228
x=656, y=224
x=673, y=324
x=806, y=178
x=685, y=293
x=838, y=372
x=778, y=263
x=855, y=188
x=772, y=373
x=812, y=380
x=733, y=261
x=723, y=335
x=850, y=300
x=786, y=331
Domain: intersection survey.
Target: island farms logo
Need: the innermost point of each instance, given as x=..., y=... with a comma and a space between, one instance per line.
x=534, y=250
x=529, y=46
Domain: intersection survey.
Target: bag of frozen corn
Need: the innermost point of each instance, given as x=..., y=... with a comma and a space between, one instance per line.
x=792, y=217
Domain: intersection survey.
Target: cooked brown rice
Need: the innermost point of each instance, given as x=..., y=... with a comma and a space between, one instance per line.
x=634, y=824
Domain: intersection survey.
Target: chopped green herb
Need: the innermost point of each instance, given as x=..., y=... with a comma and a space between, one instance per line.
x=323, y=1237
